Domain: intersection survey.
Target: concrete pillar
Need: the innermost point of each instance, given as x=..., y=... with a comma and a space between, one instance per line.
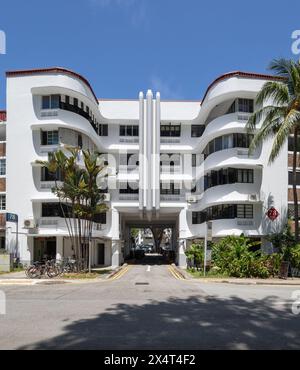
x=181, y=257
x=116, y=252
x=59, y=247
x=148, y=136
x=141, y=153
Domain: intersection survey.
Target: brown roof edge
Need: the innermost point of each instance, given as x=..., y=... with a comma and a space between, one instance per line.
x=3, y=115
x=242, y=74
x=52, y=70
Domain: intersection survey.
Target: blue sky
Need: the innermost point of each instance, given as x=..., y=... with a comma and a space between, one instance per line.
x=124, y=46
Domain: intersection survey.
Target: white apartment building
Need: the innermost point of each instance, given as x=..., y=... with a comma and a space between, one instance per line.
x=172, y=164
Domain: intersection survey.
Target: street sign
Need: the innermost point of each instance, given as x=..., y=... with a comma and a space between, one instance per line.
x=11, y=217
x=272, y=214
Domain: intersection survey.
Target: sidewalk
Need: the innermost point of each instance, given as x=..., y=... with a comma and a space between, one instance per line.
x=20, y=278
x=288, y=282
x=238, y=281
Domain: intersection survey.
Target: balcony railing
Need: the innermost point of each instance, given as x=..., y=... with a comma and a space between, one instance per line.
x=171, y=198
x=129, y=197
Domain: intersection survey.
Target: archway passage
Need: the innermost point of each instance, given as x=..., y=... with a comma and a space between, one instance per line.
x=150, y=243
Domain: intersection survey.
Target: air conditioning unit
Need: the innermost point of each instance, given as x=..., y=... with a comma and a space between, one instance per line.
x=253, y=197
x=192, y=200
x=29, y=223
x=106, y=197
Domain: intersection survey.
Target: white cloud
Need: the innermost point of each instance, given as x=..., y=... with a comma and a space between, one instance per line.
x=167, y=90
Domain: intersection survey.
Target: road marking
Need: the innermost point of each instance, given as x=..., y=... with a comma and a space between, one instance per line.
x=175, y=274
x=149, y=269
x=120, y=274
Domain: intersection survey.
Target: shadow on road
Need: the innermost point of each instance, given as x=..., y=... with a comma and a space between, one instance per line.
x=198, y=322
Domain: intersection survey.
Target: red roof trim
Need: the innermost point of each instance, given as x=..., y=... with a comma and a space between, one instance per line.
x=244, y=75
x=52, y=70
x=3, y=115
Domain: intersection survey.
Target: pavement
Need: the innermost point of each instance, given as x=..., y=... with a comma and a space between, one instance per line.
x=150, y=306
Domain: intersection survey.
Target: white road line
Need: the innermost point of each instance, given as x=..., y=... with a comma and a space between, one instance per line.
x=149, y=269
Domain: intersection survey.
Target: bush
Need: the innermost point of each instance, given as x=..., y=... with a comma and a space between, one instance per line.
x=195, y=255
x=233, y=255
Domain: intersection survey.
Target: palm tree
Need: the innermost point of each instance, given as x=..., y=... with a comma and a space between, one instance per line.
x=79, y=190
x=279, y=112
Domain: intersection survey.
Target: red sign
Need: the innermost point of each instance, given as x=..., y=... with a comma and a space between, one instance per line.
x=273, y=214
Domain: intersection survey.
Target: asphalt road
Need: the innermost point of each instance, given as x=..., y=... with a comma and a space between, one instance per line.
x=148, y=308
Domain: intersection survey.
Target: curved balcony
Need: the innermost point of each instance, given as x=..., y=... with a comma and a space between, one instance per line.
x=69, y=120
x=227, y=194
x=57, y=226
x=234, y=157
x=223, y=125
x=229, y=86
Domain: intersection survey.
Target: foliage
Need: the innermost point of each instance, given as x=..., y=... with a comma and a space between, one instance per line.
x=234, y=257
x=78, y=193
x=286, y=245
x=195, y=254
x=278, y=112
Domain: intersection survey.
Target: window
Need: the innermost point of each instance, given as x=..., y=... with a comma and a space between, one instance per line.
x=2, y=167
x=228, y=176
x=291, y=144
x=100, y=218
x=51, y=210
x=103, y=130
x=232, y=108
x=49, y=137
x=2, y=202
x=50, y=176
x=242, y=106
x=291, y=178
x=244, y=176
x=246, y=105
x=194, y=160
x=197, y=130
x=79, y=141
x=244, y=211
x=223, y=211
x=130, y=130
x=50, y=102
x=170, y=130
x=169, y=189
x=129, y=189
x=227, y=142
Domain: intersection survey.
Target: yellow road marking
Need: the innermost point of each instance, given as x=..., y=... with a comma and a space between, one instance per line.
x=175, y=274
x=120, y=273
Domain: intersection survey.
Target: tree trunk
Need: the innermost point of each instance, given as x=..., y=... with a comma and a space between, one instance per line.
x=295, y=194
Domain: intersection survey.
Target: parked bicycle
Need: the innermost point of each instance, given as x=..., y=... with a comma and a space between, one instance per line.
x=40, y=269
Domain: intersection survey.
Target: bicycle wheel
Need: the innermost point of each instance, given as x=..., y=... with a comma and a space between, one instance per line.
x=33, y=272
x=52, y=272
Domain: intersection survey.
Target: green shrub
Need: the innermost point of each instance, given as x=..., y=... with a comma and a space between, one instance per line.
x=233, y=255
x=195, y=254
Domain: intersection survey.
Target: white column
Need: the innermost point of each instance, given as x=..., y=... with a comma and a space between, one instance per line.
x=59, y=247
x=141, y=148
x=116, y=258
x=181, y=257
x=148, y=149
x=156, y=155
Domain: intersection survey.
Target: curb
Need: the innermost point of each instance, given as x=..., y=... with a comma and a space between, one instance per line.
x=206, y=281
x=117, y=270
x=182, y=273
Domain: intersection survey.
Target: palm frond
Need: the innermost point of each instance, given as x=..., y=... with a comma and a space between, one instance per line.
x=292, y=118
